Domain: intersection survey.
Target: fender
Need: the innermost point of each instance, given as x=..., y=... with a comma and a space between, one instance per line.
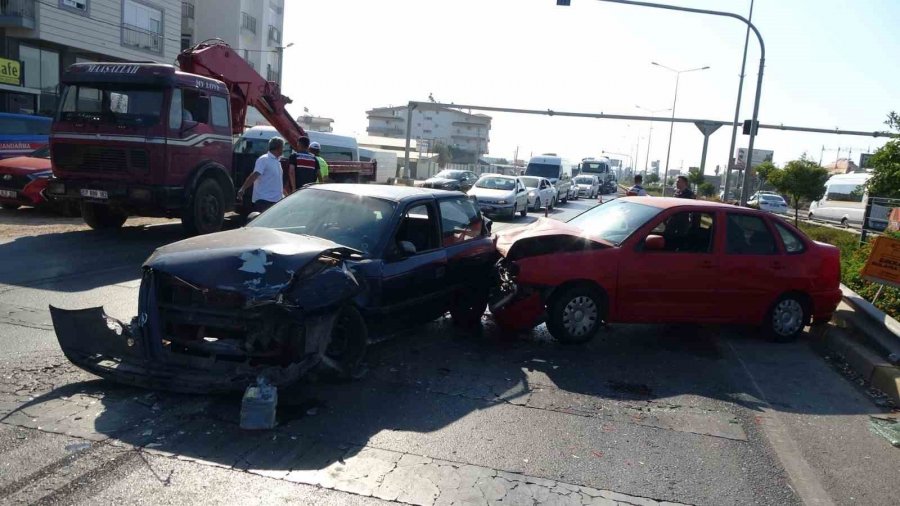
x=215, y=170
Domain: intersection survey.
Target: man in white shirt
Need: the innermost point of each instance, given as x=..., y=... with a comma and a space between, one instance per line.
x=266, y=178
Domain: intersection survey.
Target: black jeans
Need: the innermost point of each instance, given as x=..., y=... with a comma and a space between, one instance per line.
x=261, y=205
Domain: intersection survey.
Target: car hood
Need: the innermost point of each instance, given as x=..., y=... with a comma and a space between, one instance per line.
x=489, y=193
x=541, y=229
x=256, y=262
x=24, y=165
x=440, y=180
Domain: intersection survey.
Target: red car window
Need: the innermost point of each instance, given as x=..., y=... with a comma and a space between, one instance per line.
x=748, y=235
x=792, y=243
x=687, y=232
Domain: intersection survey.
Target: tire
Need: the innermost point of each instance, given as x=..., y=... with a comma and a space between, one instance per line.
x=537, y=204
x=551, y=205
x=102, y=217
x=524, y=212
x=10, y=207
x=515, y=211
x=810, y=217
x=468, y=306
x=349, y=342
x=787, y=318
x=845, y=223
x=576, y=314
x=206, y=211
x=564, y=200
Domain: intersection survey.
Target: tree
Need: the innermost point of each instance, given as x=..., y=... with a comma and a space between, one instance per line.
x=885, y=180
x=763, y=171
x=801, y=180
x=652, y=178
x=444, y=156
x=707, y=189
x=695, y=177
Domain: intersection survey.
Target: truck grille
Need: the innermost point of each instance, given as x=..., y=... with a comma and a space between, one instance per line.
x=81, y=157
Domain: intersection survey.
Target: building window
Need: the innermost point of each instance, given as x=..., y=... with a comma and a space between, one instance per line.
x=41, y=72
x=79, y=6
x=142, y=26
x=271, y=74
x=187, y=10
x=186, y=41
x=248, y=22
x=274, y=34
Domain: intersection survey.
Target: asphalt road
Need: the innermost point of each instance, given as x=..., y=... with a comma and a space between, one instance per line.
x=698, y=415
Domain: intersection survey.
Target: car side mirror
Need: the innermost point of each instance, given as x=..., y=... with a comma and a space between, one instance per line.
x=252, y=216
x=407, y=248
x=654, y=243
x=488, y=224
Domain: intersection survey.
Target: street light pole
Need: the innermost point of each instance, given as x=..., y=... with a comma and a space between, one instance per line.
x=281, y=62
x=650, y=134
x=737, y=111
x=672, y=124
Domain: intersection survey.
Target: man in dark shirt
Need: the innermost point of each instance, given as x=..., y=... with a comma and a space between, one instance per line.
x=303, y=165
x=683, y=188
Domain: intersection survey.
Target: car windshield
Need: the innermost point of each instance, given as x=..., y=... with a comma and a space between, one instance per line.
x=450, y=174
x=496, y=183
x=542, y=170
x=615, y=220
x=531, y=182
x=112, y=104
x=347, y=219
x=584, y=180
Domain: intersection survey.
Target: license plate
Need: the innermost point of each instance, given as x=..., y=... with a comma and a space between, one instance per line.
x=8, y=194
x=94, y=194
x=487, y=208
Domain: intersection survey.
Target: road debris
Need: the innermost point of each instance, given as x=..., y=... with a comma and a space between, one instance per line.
x=887, y=427
x=259, y=406
x=77, y=447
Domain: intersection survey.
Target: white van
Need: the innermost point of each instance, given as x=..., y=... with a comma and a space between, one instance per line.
x=557, y=170
x=335, y=147
x=844, y=201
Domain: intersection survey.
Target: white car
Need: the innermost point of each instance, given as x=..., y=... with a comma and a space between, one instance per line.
x=588, y=185
x=769, y=203
x=499, y=195
x=540, y=192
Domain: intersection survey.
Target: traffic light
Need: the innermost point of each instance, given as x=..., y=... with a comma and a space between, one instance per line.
x=563, y=2
x=747, y=127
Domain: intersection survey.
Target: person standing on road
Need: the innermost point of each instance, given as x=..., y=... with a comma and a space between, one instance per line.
x=315, y=149
x=266, y=178
x=683, y=188
x=637, y=190
x=304, y=166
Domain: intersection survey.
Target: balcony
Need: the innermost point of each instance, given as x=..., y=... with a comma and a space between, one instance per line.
x=17, y=13
x=136, y=37
x=385, y=131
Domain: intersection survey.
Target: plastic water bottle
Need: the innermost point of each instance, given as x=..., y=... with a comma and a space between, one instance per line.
x=259, y=406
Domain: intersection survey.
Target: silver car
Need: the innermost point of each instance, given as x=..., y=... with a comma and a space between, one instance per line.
x=588, y=186
x=541, y=192
x=500, y=195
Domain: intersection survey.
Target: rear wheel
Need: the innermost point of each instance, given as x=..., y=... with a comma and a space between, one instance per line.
x=524, y=212
x=787, y=318
x=349, y=342
x=206, y=212
x=576, y=314
x=10, y=207
x=551, y=205
x=102, y=217
x=845, y=223
x=537, y=204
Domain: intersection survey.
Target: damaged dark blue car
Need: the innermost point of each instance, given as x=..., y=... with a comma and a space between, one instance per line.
x=309, y=283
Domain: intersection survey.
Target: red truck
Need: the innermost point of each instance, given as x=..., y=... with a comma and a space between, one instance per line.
x=149, y=139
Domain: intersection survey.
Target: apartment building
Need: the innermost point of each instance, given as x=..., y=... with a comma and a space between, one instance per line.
x=315, y=123
x=40, y=38
x=432, y=125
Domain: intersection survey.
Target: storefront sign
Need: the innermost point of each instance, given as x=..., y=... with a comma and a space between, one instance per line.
x=10, y=72
x=883, y=265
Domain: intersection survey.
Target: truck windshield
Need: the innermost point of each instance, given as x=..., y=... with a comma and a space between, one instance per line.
x=347, y=219
x=542, y=170
x=594, y=168
x=113, y=104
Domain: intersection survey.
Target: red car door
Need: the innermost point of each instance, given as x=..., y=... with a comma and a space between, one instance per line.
x=678, y=282
x=752, y=267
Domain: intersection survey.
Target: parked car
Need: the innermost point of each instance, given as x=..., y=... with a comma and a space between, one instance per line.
x=24, y=178
x=540, y=192
x=610, y=186
x=587, y=186
x=320, y=274
x=770, y=203
x=844, y=201
x=499, y=195
x=458, y=180
x=664, y=260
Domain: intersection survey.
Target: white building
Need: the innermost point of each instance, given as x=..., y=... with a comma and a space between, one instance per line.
x=315, y=123
x=432, y=125
x=252, y=27
x=40, y=38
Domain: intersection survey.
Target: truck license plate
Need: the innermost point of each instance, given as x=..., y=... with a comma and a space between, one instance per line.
x=8, y=194
x=94, y=194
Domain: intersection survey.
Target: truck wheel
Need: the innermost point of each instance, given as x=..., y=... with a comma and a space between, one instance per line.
x=576, y=314
x=349, y=341
x=207, y=209
x=102, y=217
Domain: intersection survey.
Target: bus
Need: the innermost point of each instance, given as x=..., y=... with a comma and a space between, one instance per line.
x=20, y=134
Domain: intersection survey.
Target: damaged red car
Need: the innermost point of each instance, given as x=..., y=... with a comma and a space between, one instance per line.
x=663, y=260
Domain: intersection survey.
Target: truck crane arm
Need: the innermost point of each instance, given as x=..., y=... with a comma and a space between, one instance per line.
x=216, y=59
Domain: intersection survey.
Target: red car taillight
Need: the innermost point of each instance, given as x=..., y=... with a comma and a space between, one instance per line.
x=831, y=267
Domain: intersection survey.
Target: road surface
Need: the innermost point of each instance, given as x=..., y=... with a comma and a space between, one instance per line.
x=642, y=414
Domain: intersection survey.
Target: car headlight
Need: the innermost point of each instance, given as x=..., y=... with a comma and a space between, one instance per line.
x=501, y=202
x=532, y=193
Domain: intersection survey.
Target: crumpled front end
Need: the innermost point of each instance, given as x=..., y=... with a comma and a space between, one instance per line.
x=206, y=339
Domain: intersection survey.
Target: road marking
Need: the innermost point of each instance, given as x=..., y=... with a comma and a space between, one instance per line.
x=804, y=479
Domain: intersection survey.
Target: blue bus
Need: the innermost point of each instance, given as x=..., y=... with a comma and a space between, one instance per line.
x=21, y=134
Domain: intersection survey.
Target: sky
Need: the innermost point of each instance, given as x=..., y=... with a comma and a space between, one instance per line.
x=829, y=64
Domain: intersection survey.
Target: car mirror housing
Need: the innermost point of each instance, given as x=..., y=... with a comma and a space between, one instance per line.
x=407, y=248
x=487, y=224
x=252, y=216
x=655, y=243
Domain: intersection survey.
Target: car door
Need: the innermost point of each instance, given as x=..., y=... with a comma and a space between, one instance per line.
x=751, y=265
x=468, y=245
x=412, y=282
x=678, y=282
x=521, y=195
x=547, y=192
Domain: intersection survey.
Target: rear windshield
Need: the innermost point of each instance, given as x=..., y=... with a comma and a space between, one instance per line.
x=531, y=182
x=543, y=170
x=496, y=183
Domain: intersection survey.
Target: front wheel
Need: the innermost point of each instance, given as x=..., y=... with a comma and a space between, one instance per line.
x=206, y=212
x=576, y=314
x=349, y=342
x=524, y=212
x=102, y=217
x=537, y=204
x=551, y=205
x=787, y=318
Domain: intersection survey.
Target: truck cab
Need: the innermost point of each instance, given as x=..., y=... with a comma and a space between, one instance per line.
x=144, y=139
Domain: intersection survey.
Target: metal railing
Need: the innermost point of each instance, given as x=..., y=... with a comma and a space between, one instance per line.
x=17, y=8
x=141, y=38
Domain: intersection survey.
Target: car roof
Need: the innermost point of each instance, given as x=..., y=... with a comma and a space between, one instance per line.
x=491, y=174
x=386, y=192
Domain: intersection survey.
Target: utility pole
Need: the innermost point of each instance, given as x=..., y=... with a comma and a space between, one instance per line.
x=737, y=107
